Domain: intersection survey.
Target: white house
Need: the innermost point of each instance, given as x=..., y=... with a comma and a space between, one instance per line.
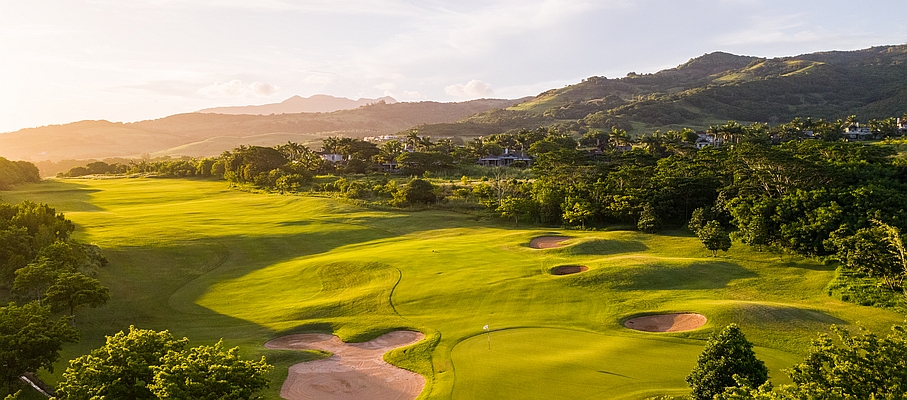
x=855, y=132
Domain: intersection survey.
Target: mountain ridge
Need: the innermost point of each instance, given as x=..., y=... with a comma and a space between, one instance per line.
x=298, y=104
x=712, y=89
x=166, y=136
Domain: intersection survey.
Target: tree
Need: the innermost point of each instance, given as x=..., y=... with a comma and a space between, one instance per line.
x=74, y=289
x=146, y=364
x=417, y=191
x=15, y=253
x=121, y=369
x=648, y=219
x=699, y=218
x=36, y=277
x=862, y=366
x=577, y=210
x=30, y=339
x=515, y=207
x=877, y=251
x=714, y=237
x=725, y=355
x=209, y=372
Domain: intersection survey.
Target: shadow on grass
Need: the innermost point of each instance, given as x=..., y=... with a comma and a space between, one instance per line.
x=700, y=275
x=784, y=316
x=695, y=276
x=606, y=247
x=62, y=195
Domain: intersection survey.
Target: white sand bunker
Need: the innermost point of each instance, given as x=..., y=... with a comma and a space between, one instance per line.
x=355, y=371
x=666, y=322
x=547, y=242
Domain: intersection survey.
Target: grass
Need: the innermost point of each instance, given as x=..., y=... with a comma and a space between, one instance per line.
x=208, y=262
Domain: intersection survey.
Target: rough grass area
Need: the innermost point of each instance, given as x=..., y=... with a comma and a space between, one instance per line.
x=208, y=262
x=858, y=288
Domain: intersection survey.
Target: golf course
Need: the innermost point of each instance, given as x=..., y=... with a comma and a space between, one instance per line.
x=501, y=318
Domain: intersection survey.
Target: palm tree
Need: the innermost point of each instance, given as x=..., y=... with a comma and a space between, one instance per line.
x=292, y=151
x=390, y=150
x=620, y=137
x=412, y=138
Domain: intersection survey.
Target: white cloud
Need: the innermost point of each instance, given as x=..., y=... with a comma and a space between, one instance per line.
x=473, y=88
x=386, y=86
x=237, y=89
x=412, y=94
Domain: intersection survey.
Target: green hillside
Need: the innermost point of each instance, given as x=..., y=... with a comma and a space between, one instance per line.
x=715, y=88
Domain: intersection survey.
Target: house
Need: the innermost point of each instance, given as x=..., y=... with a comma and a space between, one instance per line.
x=390, y=166
x=623, y=148
x=855, y=132
x=504, y=160
x=704, y=140
x=331, y=157
x=902, y=126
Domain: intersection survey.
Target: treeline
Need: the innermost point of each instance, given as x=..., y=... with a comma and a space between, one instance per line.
x=43, y=266
x=40, y=261
x=16, y=172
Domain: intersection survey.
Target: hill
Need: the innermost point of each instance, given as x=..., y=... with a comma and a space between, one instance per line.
x=297, y=104
x=715, y=88
x=201, y=134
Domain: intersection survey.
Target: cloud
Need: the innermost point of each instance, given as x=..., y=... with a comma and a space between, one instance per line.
x=412, y=94
x=237, y=89
x=473, y=88
x=386, y=86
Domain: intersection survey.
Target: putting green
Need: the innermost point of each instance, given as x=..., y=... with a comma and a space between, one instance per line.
x=546, y=363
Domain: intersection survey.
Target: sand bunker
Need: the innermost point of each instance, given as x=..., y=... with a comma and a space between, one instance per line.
x=547, y=242
x=569, y=269
x=355, y=371
x=666, y=322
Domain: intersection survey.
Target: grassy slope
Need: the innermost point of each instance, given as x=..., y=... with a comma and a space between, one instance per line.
x=208, y=262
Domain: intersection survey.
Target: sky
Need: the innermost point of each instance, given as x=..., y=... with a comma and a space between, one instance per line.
x=127, y=60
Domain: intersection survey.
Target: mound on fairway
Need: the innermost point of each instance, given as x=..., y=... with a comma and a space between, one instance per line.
x=547, y=242
x=666, y=322
x=355, y=371
x=569, y=269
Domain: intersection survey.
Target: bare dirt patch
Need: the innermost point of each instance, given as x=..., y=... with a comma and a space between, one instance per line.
x=666, y=322
x=569, y=269
x=547, y=242
x=354, y=371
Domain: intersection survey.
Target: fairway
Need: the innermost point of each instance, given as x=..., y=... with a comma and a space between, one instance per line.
x=208, y=262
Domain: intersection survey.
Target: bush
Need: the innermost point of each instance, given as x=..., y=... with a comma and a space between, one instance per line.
x=417, y=191
x=725, y=355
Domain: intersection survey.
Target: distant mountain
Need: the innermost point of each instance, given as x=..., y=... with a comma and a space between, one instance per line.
x=712, y=89
x=297, y=104
x=202, y=135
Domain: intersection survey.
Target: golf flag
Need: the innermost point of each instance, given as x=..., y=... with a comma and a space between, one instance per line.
x=485, y=327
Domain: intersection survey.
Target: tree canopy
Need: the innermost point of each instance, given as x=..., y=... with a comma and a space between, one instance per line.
x=854, y=366
x=30, y=339
x=147, y=364
x=727, y=355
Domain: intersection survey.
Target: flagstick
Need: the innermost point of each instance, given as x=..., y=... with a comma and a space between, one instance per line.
x=488, y=335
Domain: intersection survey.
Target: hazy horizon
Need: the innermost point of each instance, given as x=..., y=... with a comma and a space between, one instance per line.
x=146, y=59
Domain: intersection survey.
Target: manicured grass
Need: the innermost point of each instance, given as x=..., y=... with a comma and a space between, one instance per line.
x=545, y=363
x=208, y=262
